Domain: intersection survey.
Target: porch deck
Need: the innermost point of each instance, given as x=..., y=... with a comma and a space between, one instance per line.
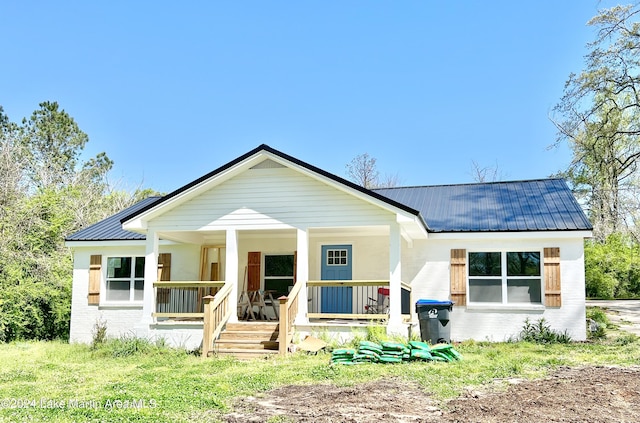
x=210, y=302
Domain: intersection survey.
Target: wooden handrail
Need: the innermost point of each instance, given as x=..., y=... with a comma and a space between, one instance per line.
x=216, y=314
x=188, y=284
x=348, y=283
x=288, y=312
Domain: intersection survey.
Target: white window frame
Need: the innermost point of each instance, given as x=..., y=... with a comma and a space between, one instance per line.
x=131, y=279
x=334, y=250
x=504, y=278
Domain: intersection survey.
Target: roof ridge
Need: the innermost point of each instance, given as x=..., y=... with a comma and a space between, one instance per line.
x=472, y=183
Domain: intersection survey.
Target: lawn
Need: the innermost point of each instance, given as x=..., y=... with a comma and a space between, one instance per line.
x=54, y=381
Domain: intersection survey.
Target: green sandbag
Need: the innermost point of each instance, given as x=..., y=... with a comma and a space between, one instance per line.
x=393, y=353
x=344, y=351
x=371, y=354
x=370, y=349
x=441, y=355
x=419, y=345
x=456, y=355
x=393, y=346
x=441, y=347
x=370, y=344
x=421, y=354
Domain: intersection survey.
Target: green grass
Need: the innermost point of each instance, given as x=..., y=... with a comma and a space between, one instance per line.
x=156, y=384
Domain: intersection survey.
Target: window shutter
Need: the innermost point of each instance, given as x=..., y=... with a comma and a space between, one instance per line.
x=295, y=267
x=552, y=287
x=164, y=274
x=253, y=273
x=95, y=277
x=458, y=276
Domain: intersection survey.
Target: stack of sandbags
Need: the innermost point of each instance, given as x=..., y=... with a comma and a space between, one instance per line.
x=394, y=352
x=369, y=352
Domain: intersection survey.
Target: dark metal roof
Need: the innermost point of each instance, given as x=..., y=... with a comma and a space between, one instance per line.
x=537, y=205
x=110, y=229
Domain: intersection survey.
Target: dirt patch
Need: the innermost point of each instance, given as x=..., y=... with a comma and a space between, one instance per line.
x=590, y=394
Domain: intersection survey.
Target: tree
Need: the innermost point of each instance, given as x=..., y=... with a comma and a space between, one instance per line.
x=485, y=174
x=363, y=171
x=599, y=116
x=53, y=142
x=46, y=192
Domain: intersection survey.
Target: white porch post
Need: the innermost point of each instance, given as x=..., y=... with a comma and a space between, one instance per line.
x=395, y=278
x=231, y=271
x=150, y=276
x=302, y=275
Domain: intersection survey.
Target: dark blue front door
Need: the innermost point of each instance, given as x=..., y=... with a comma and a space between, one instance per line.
x=336, y=265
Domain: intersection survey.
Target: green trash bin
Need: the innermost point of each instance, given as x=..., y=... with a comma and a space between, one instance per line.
x=434, y=320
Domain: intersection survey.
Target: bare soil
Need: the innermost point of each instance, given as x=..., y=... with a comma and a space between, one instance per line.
x=588, y=394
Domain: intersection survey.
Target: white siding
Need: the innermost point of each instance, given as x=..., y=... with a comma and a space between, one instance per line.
x=271, y=198
x=122, y=320
x=426, y=267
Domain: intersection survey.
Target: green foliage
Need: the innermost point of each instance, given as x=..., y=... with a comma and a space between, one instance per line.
x=34, y=311
x=46, y=193
x=98, y=333
x=612, y=268
x=540, y=332
x=598, y=117
x=597, y=323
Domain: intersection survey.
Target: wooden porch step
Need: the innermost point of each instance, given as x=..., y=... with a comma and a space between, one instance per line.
x=252, y=326
x=247, y=340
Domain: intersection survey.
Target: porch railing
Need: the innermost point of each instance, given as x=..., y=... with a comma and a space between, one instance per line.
x=288, y=312
x=217, y=312
x=183, y=299
x=362, y=302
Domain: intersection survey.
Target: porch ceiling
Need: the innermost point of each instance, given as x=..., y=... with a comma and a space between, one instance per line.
x=218, y=237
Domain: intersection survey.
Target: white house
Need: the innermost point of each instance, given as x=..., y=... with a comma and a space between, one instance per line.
x=268, y=223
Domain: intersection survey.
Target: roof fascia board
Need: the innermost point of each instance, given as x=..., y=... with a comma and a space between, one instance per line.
x=190, y=191
x=114, y=243
x=511, y=235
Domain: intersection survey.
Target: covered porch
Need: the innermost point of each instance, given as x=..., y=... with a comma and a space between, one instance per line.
x=347, y=276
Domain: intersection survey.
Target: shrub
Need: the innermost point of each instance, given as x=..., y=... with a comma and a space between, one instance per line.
x=99, y=333
x=541, y=333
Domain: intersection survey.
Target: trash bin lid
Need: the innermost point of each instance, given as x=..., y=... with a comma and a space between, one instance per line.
x=428, y=302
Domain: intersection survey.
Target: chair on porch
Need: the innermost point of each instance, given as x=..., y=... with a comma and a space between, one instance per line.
x=380, y=305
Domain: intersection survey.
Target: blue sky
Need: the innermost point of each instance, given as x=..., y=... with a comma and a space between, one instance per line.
x=172, y=90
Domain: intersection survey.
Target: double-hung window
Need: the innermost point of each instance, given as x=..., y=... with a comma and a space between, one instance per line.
x=278, y=273
x=125, y=279
x=505, y=277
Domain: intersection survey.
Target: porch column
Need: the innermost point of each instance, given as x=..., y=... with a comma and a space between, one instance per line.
x=150, y=276
x=302, y=275
x=395, y=278
x=231, y=271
